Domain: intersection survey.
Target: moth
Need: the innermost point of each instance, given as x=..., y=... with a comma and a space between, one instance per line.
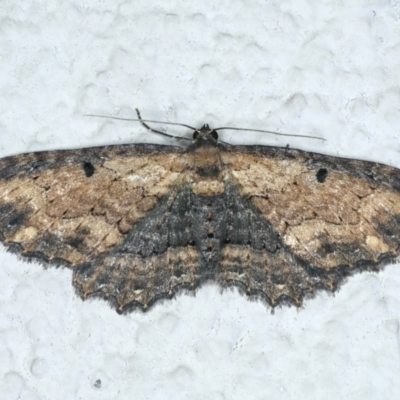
x=138, y=223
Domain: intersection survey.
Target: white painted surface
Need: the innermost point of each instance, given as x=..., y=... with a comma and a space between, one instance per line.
x=321, y=68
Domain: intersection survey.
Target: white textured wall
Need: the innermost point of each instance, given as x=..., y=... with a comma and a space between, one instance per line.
x=323, y=68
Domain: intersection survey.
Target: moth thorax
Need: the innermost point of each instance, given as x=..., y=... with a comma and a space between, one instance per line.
x=207, y=161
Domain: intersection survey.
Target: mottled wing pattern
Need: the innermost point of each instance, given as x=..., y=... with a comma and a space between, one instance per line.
x=330, y=216
x=137, y=223
x=156, y=258
x=73, y=207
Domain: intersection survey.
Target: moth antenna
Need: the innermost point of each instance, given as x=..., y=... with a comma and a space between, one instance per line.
x=274, y=133
x=163, y=133
x=143, y=122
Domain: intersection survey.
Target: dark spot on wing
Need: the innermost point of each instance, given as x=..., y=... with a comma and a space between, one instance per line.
x=76, y=241
x=390, y=230
x=327, y=248
x=84, y=271
x=18, y=219
x=322, y=175
x=12, y=219
x=88, y=168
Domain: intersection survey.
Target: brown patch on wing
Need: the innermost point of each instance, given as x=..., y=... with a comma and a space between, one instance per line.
x=77, y=211
x=130, y=280
x=329, y=217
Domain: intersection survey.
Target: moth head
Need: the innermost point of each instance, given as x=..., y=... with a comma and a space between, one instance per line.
x=205, y=133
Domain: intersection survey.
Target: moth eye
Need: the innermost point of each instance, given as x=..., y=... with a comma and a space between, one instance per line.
x=89, y=169
x=322, y=175
x=214, y=134
x=195, y=134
